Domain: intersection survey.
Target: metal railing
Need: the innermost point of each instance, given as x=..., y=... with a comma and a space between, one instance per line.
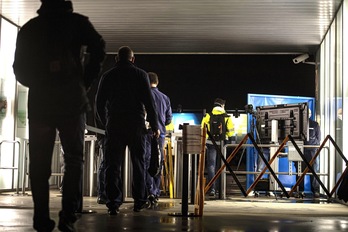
x=13, y=166
x=281, y=155
x=268, y=167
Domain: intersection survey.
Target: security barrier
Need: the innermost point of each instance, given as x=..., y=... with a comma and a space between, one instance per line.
x=309, y=166
x=226, y=164
x=272, y=159
x=90, y=168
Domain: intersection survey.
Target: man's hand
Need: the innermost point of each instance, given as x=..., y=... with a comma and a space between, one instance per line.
x=156, y=134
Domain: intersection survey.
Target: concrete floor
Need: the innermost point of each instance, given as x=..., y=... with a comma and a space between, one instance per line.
x=235, y=214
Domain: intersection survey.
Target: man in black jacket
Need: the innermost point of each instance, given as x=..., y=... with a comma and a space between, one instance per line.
x=122, y=98
x=49, y=61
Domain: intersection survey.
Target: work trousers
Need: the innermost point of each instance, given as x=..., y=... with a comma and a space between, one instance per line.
x=309, y=154
x=211, y=164
x=101, y=171
x=153, y=183
x=42, y=134
x=117, y=138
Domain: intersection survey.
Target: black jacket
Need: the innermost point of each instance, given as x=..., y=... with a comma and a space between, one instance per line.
x=49, y=60
x=123, y=95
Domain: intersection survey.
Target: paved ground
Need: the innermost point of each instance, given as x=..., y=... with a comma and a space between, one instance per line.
x=236, y=213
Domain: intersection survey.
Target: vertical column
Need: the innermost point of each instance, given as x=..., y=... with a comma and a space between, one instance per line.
x=274, y=140
x=191, y=145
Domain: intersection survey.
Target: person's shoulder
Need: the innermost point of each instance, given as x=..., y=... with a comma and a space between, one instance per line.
x=32, y=20
x=206, y=116
x=30, y=23
x=78, y=16
x=79, y=21
x=140, y=70
x=218, y=111
x=108, y=72
x=31, y=30
x=316, y=123
x=166, y=96
x=160, y=92
x=312, y=121
x=163, y=96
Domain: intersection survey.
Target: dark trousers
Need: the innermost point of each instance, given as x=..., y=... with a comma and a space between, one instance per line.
x=212, y=164
x=309, y=154
x=41, y=143
x=101, y=172
x=116, y=139
x=153, y=183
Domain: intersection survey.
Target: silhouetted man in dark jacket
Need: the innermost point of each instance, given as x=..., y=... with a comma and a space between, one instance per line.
x=49, y=61
x=123, y=96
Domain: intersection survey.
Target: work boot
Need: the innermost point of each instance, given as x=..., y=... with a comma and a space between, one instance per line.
x=153, y=200
x=212, y=193
x=299, y=194
x=44, y=226
x=113, y=211
x=66, y=221
x=101, y=200
x=316, y=195
x=138, y=207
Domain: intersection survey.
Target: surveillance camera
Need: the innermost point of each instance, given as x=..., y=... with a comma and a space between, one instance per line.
x=301, y=58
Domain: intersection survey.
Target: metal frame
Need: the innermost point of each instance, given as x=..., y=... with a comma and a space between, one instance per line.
x=13, y=167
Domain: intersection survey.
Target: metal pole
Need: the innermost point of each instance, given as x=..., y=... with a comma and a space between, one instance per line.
x=184, y=203
x=91, y=166
x=24, y=169
x=193, y=178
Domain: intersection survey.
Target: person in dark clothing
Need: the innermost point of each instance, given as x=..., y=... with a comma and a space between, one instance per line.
x=122, y=98
x=164, y=113
x=48, y=60
x=101, y=195
x=314, y=139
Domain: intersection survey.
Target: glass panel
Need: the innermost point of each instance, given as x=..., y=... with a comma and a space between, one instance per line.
x=333, y=90
x=344, y=77
x=9, y=151
x=337, y=107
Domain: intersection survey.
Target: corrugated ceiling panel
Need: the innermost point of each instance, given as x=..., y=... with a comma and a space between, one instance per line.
x=200, y=26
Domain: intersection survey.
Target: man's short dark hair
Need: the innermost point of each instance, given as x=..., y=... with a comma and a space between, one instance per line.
x=153, y=78
x=219, y=102
x=124, y=53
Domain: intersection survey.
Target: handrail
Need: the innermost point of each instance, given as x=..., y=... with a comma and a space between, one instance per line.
x=13, y=167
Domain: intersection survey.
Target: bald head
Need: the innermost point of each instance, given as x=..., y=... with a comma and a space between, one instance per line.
x=125, y=54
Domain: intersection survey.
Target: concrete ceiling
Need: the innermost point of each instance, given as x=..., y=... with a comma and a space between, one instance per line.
x=200, y=26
